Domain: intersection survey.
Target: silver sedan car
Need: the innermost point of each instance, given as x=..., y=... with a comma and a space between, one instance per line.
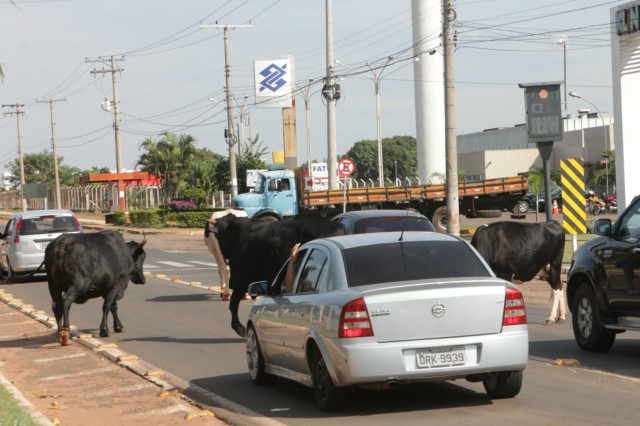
x=383, y=309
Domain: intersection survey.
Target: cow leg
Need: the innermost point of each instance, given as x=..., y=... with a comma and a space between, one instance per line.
x=236, y=297
x=57, y=305
x=117, y=325
x=106, y=307
x=64, y=333
x=225, y=279
x=558, y=312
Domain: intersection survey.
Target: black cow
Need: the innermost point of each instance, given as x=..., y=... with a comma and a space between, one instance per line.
x=517, y=251
x=256, y=250
x=84, y=266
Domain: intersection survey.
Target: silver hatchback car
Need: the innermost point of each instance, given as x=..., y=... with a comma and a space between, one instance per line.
x=26, y=236
x=383, y=309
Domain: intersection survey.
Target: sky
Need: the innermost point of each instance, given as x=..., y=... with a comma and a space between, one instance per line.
x=173, y=74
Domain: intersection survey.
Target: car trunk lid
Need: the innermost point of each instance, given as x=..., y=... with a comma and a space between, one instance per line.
x=435, y=309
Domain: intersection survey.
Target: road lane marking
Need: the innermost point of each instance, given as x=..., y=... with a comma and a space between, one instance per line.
x=176, y=264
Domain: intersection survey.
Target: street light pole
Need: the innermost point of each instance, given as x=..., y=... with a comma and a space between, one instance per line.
x=563, y=42
x=606, y=145
x=376, y=73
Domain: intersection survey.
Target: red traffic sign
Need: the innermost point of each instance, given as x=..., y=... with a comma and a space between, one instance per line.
x=346, y=166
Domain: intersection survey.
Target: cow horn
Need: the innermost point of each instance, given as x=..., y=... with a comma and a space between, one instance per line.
x=144, y=241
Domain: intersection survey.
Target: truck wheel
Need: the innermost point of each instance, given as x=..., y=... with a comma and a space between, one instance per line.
x=587, y=327
x=440, y=220
x=488, y=214
x=523, y=206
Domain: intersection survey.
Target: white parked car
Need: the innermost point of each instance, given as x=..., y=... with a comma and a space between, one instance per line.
x=383, y=309
x=26, y=236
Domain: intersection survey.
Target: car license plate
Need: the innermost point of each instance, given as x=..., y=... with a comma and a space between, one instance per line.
x=444, y=357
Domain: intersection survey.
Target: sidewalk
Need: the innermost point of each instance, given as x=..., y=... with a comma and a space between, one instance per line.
x=75, y=385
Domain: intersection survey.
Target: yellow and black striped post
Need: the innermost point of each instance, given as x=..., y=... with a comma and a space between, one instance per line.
x=573, y=201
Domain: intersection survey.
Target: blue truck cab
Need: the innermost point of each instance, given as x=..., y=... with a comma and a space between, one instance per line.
x=274, y=195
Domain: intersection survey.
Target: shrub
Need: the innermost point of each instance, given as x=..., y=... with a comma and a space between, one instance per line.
x=182, y=205
x=148, y=218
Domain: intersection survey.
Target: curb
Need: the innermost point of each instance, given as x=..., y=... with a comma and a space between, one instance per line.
x=24, y=403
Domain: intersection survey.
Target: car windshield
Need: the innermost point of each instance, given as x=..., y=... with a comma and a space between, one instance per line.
x=418, y=260
x=47, y=225
x=391, y=224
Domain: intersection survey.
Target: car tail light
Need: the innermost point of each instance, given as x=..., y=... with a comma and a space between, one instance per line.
x=77, y=222
x=18, y=227
x=354, y=320
x=514, y=310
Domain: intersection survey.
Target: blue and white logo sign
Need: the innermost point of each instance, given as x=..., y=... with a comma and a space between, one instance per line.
x=273, y=83
x=273, y=77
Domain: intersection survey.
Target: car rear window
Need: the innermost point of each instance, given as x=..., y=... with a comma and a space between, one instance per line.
x=416, y=260
x=392, y=224
x=48, y=225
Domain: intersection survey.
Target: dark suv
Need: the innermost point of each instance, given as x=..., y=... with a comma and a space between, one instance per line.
x=603, y=286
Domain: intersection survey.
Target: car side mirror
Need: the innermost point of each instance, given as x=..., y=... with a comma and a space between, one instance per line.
x=601, y=227
x=259, y=288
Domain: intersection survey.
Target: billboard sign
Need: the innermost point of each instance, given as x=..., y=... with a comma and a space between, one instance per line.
x=273, y=83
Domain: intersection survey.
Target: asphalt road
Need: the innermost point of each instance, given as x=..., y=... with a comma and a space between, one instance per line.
x=186, y=331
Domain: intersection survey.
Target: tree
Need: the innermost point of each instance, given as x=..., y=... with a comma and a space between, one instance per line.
x=250, y=159
x=169, y=158
x=38, y=168
x=398, y=150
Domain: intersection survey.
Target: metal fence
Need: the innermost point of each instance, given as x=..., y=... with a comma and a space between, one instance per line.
x=100, y=198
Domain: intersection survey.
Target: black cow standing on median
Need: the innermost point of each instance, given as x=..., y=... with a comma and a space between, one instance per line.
x=84, y=266
x=517, y=251
x=256, y=250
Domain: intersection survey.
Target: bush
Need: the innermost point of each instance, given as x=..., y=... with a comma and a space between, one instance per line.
x=119, y=217
x=192, y=219
x=182, y=205
x=146, y=218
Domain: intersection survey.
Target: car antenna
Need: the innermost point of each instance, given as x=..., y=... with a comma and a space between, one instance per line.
x=404, y=221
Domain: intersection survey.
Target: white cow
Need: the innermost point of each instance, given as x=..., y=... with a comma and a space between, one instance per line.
x=213, y=246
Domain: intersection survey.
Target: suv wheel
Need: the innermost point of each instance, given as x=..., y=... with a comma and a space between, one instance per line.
x=587, y=327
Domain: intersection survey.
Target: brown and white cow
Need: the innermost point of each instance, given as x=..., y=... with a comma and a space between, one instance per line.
x=518, y=251
x=214, y=248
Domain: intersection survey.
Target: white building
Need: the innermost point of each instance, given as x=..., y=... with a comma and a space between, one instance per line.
x=625, y=60
x=503, y=152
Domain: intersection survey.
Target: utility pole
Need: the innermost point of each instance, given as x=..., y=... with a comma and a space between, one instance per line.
x=453, y=207
x=18, y=113
x=53, y=149
x=331, y=93
x=229, y=134
x=305, y=95
x=116, y=111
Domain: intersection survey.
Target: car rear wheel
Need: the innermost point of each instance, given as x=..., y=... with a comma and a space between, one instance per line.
x=328, y=396
x=587, y=327
x=505, y=384
x=255, y=361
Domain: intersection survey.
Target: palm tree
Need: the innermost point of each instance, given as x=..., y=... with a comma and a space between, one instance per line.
x=169, y=157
